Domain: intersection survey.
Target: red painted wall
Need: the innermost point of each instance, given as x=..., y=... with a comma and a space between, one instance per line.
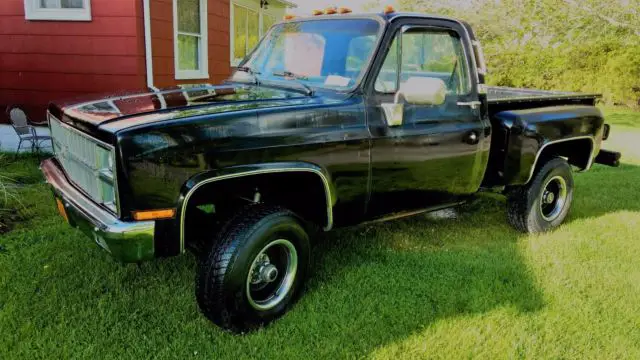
x=42, y=61
x=218, y=22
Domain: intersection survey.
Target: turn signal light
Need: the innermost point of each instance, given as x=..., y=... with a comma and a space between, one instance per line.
x=154, y=214
x=389, y=10
x=331, y=11
x=344, y=10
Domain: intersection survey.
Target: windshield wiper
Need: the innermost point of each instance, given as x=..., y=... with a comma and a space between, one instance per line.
x=298, y=78
x=251, y=72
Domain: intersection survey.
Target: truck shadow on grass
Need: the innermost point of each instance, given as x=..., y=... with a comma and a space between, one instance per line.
x=379, y=284
x=604, y=190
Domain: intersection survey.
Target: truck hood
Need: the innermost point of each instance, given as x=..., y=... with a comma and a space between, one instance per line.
x=113, y=113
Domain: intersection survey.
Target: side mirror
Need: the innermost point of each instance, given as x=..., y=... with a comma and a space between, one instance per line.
x=423, y=91
x=416, y=91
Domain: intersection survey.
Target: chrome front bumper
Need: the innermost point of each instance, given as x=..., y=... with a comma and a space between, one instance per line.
x=126, y=241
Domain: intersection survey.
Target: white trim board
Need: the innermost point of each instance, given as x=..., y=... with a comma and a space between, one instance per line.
x=148, y=50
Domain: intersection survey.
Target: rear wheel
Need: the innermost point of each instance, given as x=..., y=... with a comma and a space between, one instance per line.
x=544, y=203
x=255, y=268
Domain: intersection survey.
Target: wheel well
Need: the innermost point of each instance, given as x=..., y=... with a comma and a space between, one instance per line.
x=304, y=193
x=577, y=152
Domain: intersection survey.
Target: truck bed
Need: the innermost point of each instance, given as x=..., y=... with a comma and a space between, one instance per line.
x=501, y=98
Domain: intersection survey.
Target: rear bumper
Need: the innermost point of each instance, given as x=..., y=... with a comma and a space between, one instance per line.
x=609, y=158
x=126, y=241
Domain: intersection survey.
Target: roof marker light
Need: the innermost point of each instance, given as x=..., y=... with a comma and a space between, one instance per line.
x=331, y=11
x=289, y=17
x=389, y=10
x=318, y=12
x=344, y=10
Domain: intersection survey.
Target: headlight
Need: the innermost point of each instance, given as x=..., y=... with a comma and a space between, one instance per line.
x=106, y=178
x=105, y=159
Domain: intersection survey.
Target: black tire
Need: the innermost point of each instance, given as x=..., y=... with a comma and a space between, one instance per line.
x=222, y=281
x=528, y=212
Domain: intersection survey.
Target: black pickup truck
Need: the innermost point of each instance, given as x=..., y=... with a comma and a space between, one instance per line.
x=331, y=121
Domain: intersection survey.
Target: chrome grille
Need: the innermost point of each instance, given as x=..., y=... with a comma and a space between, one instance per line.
x=87, y=162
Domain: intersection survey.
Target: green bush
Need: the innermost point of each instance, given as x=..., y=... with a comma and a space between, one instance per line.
x=586, y=45
x=612, y=69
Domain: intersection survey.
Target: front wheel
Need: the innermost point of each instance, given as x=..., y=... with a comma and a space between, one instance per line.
x=255, y=268
x=544, y=203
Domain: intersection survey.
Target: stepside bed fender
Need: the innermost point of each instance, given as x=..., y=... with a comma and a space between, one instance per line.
x=574, y=132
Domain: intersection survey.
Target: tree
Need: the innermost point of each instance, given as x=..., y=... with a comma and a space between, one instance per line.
x=575, y=45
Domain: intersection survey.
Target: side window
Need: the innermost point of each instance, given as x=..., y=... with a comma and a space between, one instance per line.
x=436, y=54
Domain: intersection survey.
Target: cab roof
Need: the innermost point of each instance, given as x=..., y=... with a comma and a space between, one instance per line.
x=387, y=18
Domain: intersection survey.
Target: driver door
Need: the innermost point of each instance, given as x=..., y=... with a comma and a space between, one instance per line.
x=437, y=153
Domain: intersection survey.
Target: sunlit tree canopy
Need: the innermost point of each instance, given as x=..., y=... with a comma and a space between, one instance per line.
x=578, y=45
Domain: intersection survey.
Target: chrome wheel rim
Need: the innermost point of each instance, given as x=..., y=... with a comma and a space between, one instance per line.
x=553, y=198
x=272, y=274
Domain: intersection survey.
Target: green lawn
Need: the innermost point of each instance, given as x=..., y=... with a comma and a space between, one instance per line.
x=415, y=288
x=618, y=116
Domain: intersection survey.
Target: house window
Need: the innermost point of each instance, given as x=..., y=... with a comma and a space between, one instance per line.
x=190, y=39
x=249, y=22
x=267, y=22
x=246, y=31
x=69, y=10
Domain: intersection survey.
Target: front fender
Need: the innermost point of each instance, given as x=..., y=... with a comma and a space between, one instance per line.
x=208, y=177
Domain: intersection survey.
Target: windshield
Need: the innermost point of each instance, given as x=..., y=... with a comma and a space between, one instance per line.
x=330, y=53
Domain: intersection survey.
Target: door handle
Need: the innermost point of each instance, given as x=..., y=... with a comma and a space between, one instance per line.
x=472, y=104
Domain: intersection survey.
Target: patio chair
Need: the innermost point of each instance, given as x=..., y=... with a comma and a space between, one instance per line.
x=26, y=132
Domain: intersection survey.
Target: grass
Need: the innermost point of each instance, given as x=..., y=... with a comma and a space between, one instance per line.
x=14, y=173
x=417, y=288
x=621, y=116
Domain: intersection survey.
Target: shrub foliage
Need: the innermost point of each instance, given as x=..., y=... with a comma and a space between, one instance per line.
x=574, y=45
